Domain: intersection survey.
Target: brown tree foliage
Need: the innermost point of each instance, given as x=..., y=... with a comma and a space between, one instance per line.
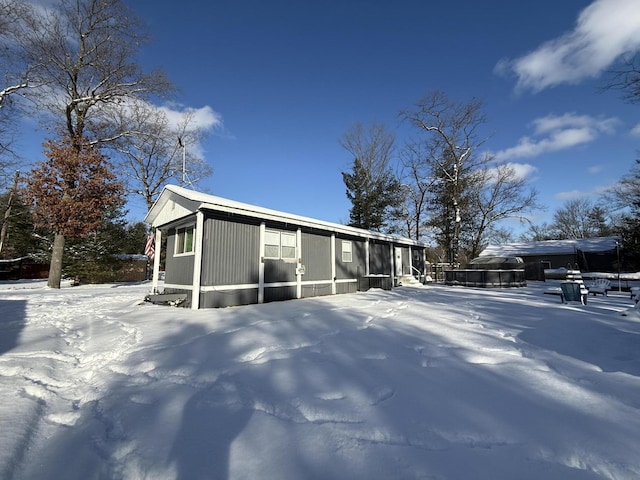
x=73, y=189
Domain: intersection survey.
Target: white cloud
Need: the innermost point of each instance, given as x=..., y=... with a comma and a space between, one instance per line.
x=204, y=118
x=576, y=194
x=523, y=170
x=557, y=132
x=520, y=170
x=635, y=131
x=604, y=31
x=593, y=169
x=571, y=195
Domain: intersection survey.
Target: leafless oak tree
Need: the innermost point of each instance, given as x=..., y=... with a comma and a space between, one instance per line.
x=461, y=191
x=502, y=194
x=450, y=139
x=153, y=150
x=82, y=58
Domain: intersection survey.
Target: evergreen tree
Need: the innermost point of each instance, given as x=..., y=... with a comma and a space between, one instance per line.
x=19, y=239
x=372, y=199
x=627, y=194
x=373, y=189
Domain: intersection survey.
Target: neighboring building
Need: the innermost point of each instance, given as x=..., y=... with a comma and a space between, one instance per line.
x=22, y=268
x=598, y=254
x=222, y=252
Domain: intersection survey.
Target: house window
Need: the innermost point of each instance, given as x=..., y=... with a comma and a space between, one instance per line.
x=279, y=245
x=184, y=240
x=347, y=251
x=271, y=244
x=288, y=241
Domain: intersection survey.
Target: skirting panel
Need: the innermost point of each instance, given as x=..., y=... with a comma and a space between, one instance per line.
x=316, y=290
x=229, y=298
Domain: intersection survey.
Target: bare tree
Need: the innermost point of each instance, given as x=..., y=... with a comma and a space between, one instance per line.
x=418, y=185
x=450, y=142
x=14, y=81
x=627, y=79
x=579, y=218
x=82, y=58
x=153, y=150
x=502, y=194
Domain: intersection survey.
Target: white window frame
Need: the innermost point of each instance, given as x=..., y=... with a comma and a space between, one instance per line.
x=285, y=243
x=180, y=247
x=347, y=251
x=288, y=248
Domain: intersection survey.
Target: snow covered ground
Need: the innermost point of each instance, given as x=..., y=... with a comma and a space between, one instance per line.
x=426, y=382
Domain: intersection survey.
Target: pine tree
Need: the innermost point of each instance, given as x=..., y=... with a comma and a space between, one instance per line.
x=371, y=198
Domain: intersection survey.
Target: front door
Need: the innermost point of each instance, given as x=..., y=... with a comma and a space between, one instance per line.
x=398, y=262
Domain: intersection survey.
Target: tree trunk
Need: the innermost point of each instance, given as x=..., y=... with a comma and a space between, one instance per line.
x=55, y=268
x=7, y=213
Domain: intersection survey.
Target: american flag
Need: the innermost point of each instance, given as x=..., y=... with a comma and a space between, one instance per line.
x=150, y=247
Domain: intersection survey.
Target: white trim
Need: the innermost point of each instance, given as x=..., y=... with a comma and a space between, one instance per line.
x=298, y=263
x=178, y=286
x=197, y=240
x=156, y=260
x=280, y=284
x=344, y=243
x=366, y=254
x=261, y=263
x=306, y=283
x=250, y=286
x=410, y=262
x=347, y=280
x=393, y=263
x=333, y=264
x=222, y=288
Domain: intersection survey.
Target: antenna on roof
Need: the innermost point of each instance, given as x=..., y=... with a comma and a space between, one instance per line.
x=185, y=179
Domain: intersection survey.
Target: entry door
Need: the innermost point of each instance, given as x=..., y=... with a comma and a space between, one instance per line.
x=398, y=255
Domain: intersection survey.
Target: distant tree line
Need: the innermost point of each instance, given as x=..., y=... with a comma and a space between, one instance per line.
x=440, y=188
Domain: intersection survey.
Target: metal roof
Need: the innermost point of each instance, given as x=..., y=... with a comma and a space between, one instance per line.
x=552, y=247
x=201, y=201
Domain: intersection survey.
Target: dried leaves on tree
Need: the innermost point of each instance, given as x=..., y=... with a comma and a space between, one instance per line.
x=73, y=189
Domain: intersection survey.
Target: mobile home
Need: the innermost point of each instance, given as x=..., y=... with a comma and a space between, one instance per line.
x=220, y=252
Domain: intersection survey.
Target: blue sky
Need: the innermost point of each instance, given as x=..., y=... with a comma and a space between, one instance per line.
x=280, y=81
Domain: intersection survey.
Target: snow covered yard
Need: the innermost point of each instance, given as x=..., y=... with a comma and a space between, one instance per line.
x=427, y=382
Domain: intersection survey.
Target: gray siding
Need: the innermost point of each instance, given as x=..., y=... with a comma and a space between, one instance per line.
x=379, y=259
x=357, y=266
x=316, y=290
x=350, y=287
x=275, y=294
x=230, y=254
x=178, y=270
x=316, y=257
x=279, y=271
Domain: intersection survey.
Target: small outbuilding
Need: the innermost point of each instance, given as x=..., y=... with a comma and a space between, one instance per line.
x=220, y=252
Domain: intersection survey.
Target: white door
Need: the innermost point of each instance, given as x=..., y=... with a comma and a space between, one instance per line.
x=398, y=255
